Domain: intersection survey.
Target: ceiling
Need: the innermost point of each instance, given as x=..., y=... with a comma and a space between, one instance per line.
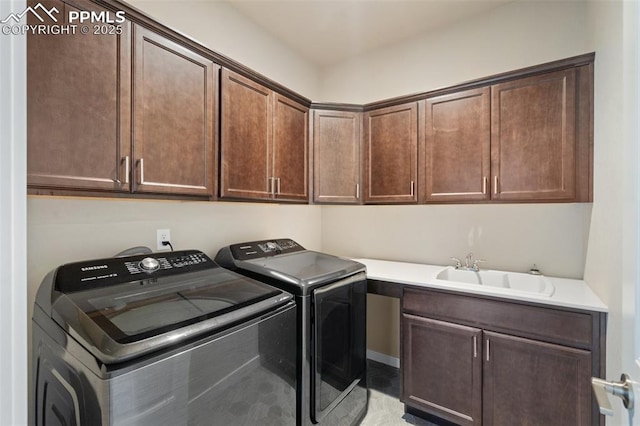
x=325, y=32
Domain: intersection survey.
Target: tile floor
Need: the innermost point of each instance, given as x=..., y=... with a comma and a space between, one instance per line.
x=385, y=408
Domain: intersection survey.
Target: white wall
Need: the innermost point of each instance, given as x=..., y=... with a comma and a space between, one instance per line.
x=62, y=230
x=13, y=250
x=508, y=236
x=613, y=252
x=513, y=36
x=221, y=28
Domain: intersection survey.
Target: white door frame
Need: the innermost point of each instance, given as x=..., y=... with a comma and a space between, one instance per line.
x=13, y=223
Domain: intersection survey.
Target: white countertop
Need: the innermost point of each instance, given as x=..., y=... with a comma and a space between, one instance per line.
x=568, y=293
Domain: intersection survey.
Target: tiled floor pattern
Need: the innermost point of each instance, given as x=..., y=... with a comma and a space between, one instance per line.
x=385, y=408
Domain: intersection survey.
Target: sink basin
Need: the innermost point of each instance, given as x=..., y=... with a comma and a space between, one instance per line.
x=510, y=281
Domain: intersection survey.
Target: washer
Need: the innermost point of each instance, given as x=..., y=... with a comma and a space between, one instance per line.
x=161, y=339
x=330, y=293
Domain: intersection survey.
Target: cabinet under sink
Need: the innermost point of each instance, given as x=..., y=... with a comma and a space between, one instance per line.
x=486, y=361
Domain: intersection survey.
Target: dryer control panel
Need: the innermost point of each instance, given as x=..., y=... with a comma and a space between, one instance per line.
x=265, y=248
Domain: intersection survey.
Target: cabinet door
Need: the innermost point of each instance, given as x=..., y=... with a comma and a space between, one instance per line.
x=78, y=114
x=336, y=158
x=173, y=112
x=290, y=145
x=533, y=138
x=535, y=383
x=458, y=136
x=441, y=369
x=245, y=142
x=391, y=154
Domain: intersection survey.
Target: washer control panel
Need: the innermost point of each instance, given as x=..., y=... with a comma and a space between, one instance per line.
x=80, y=276
x=265, y=248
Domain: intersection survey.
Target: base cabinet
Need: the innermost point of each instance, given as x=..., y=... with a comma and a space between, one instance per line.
x=476, y=361
x=442, y=369
x=543, y=383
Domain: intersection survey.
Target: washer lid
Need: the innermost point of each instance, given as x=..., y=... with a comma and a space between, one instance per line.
x=117, y=320
x=305, y=269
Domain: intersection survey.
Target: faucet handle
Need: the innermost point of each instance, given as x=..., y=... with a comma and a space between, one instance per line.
x=458, y=264
x=476, y=264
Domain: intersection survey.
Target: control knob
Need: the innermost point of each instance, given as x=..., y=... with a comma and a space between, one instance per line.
x=149, y=264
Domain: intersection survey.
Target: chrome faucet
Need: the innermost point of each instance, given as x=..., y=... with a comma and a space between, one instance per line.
x=469, y=263
x=468, y=260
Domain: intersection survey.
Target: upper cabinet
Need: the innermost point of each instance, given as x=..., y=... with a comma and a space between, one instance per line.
x=264, y=142
x=524, y=140
x=336, y=156
x=128, y=111
x=290, y=149
x=391, y=154
x=78, y=114
x=533, y=138
x=135, y=109
x=458, y=137
x=173, y=117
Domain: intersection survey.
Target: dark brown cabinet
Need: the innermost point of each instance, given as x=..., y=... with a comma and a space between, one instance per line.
x=78, y=113
x=442, y=368
x=336, y=156
x=290, y=149
x=533, y=138
x=521, y=140
x=173, y=117
x=541, y=382
x=264, y=142
x=474, y=360
x=391, y=154
x=458, y=137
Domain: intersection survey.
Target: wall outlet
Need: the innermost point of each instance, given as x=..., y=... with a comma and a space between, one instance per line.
x=163, y=235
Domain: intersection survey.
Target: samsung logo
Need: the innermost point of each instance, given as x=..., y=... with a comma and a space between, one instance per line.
x=93, y=268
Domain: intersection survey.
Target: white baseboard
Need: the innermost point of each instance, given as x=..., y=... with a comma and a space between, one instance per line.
x=383, y=358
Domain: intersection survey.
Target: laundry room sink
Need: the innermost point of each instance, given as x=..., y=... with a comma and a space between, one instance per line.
x=510, y=281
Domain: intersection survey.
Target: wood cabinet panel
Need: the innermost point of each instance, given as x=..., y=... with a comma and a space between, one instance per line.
x=173, y=112
x=537, y=322
x=336, y=159
x=535, y=383
x=245, y=139
x=78, y=114
x=458, y=136
x=442, y=369
x=533, y=137
x=290, y=149
x=524, y=381
x=391, y=154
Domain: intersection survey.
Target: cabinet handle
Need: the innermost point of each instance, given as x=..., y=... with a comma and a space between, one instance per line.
x=488, y=350
x=271, y=186
x=495, y=184
x=475, y=346
x=484, y=185
x=412, y=188
x=141, y=171
x=126, y=169
x=126, y=173
x=357, y=191
x=278, y=185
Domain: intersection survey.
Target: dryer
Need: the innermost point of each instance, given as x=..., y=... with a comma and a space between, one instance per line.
x=330, y=294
